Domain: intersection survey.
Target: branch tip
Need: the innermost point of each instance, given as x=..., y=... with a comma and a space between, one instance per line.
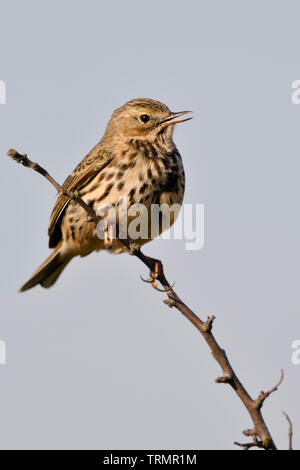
x=15, y=155
x=290, y=430
x=263, y=395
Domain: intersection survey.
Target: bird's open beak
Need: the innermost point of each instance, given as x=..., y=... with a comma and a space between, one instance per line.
x=169, y=121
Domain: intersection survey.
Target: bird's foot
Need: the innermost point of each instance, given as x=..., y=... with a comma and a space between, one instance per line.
x=156, y=273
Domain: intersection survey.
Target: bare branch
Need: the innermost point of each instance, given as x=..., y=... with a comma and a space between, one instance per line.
x=260, y=433
x=75, y=196
x=290, y=430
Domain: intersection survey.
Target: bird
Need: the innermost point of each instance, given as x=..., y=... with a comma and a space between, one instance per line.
x=136, y=160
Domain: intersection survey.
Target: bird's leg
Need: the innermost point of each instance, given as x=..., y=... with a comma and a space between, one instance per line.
x=108, y=235
x=156, y=268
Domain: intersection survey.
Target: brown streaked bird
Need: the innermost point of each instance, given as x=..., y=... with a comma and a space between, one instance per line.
x=136, y=158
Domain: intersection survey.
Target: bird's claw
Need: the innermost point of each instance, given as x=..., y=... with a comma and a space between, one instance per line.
x=151, y=280
x=167, y=290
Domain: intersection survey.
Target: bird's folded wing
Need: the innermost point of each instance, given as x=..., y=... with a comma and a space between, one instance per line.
x=90, y=166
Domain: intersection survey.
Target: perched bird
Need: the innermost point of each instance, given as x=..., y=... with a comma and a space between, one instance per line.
x=136, y=159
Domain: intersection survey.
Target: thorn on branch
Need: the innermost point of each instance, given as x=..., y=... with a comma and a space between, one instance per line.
x=249, y=432
x=170, y=302
x=263, y=395
x=225, y=379
x=207, y=326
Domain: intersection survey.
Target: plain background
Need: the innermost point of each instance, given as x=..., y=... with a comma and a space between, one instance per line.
x=98, y=362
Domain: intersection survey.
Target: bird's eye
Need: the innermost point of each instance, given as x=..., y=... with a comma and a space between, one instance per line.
x=144, y=118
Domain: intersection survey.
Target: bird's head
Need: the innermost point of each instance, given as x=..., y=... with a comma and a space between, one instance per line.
x=144, y=119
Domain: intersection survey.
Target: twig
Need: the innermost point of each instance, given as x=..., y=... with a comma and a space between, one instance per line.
x=248, y=445
x=290, y=430
x=75, y=196
x=261, y=434
x=263, y=395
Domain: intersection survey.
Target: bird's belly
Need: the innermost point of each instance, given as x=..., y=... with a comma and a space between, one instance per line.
x=126, y=200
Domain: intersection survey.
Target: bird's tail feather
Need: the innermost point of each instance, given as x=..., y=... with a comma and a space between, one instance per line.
x=48, y=272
